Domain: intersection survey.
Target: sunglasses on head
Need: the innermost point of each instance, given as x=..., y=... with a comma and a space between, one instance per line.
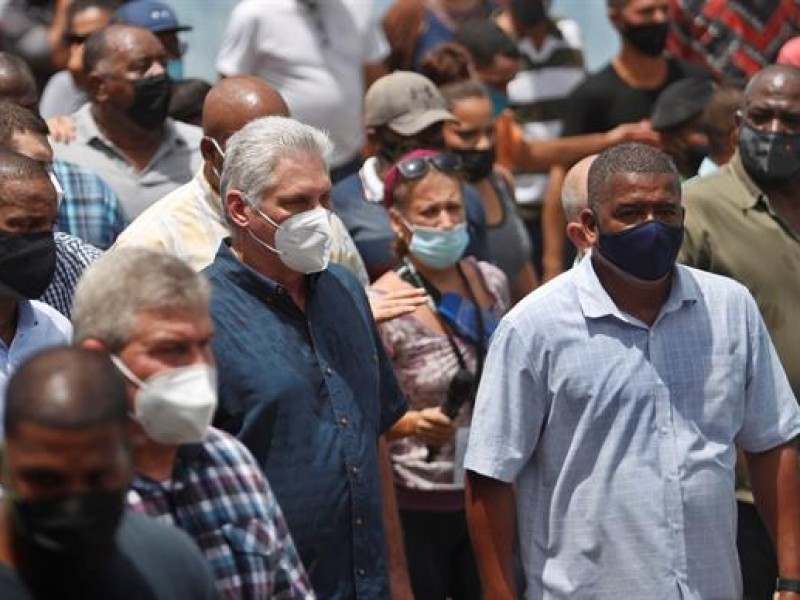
x=416, y=167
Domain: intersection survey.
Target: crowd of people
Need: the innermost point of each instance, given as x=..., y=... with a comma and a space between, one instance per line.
x=409, y=306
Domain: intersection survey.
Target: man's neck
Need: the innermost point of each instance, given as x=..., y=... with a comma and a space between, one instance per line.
x=138, y=144
x=639, y=70
x=153, y=460
x=254, y=256
x=9, y=316
x=640, y=299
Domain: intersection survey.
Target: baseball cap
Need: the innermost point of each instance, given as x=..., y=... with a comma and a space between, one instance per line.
x=680, y=101
x=405, y=102
x=155, y=16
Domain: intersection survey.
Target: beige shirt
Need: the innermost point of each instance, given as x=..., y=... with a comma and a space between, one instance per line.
x=732, y=230
x=189, y=223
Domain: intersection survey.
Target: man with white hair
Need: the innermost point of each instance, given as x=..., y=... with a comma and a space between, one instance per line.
x=303, y=378
x=149, y=311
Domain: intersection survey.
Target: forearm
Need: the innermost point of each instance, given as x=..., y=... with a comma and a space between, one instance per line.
x=490, y=515
x=399, y=582
x=776, y=487
x=542, y=155
x=553, y=227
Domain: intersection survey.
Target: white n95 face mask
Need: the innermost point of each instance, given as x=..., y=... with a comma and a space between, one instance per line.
x=175, y=406
x=303, y=241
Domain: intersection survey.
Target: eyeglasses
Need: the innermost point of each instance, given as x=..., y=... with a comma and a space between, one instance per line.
x=416, y=168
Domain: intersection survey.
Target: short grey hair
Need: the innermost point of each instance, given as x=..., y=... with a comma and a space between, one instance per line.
x=252, y=153
x=124, y=283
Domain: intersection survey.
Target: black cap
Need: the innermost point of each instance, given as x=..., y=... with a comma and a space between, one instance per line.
x=681, y=101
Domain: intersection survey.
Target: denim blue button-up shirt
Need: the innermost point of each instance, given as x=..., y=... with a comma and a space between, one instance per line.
x=309, y=393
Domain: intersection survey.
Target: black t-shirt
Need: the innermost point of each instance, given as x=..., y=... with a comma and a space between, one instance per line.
x=154, y=562
x=604, y=100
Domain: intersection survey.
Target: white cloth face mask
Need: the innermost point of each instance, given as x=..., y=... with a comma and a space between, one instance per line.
x=303, y=241
x=175, y=406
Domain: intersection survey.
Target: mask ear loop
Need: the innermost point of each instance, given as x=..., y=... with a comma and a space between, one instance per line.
x=126, y=372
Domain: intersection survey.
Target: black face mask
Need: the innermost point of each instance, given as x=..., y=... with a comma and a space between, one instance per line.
x=476, y=165
x=27, y=263
x=649, y=39
x=62, y=541
x=527, y=13
x=769, y=157
x=150, y=101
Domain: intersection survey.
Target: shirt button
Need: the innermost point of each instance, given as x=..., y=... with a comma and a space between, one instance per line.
x=359, y=521
x=664, y=430
x=361, y=572
x=354, y=470
x=343, y=421
x=328, y=371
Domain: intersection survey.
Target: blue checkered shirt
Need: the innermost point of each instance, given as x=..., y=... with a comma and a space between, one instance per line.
x=622, y=437
x=72, y=257
x=90, y=209
x=219, y=496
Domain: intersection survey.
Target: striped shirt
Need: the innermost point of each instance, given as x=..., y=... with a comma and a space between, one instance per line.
x=622, y=437
x=219, y=496
x=546, y=77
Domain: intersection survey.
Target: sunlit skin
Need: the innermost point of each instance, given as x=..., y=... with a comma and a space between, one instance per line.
x=475, y=128
x=33, y=145
x=499, y=73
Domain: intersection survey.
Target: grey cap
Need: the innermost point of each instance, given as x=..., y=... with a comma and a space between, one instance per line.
x=405, y=102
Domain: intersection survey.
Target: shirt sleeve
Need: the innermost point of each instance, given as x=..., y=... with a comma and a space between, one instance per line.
x=772, y=416
x=509, y=408
x=237, y=52
x=344, y=251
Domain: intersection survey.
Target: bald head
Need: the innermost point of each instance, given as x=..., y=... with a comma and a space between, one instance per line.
x=774, y=79
x=16, y=81
x=575, y=191
x=113, y=41
x=235, y=101
x=65, y=388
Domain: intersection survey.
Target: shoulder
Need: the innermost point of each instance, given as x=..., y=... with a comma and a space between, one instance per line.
x=155, y=548
x=75, y=250
x=342, y=275
x=718, y=291
x=222, y=448
x=189, y=135
x=685, y=68
x=53, y=320
x=390, y=282
x=711, y=192
x=571, y=32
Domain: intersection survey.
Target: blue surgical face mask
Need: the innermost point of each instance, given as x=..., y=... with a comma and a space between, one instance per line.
x=646, y=251
x=175, y=69
x=438, y=248
x=499, y=100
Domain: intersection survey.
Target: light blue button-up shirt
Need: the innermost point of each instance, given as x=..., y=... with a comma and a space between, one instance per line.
x=621, y=437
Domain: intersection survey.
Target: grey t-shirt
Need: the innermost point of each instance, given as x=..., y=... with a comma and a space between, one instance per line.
x=154, y=562
x=61, y=96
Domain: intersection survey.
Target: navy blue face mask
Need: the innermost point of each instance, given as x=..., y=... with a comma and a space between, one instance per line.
x=646, y=251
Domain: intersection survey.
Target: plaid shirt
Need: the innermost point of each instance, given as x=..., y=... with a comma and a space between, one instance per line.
x=90, y=209
x=73, y=255
x=219, y=496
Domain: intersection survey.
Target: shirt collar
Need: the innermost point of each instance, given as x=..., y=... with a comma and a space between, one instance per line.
x=250, y=280
x=371, y=181
x=596, y=303
x=752, y=194
x=86, y=130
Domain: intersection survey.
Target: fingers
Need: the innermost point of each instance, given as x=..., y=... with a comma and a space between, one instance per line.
x=395, y=304
x=434, y=427
x=62, y=129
